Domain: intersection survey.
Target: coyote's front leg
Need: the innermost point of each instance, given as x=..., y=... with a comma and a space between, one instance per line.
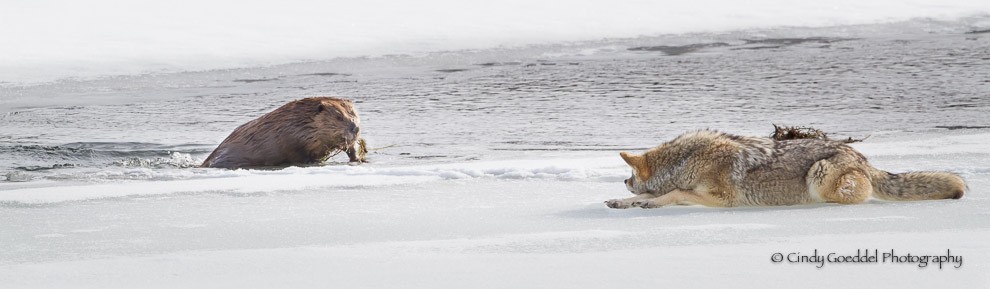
x=678, y=196
x=628, y=202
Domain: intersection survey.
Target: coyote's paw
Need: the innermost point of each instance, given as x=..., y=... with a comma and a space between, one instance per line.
x=646, y=204
x=617, y=204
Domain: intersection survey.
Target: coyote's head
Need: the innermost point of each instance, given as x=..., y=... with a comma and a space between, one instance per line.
x=641, y=173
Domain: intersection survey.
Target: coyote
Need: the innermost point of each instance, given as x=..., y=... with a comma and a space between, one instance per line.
x=722, y=170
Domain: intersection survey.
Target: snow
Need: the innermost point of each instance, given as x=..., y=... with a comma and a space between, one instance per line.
x=49, y=39
x=295, y=178
x=498, y=224
x=408, y=267
x=486, y=233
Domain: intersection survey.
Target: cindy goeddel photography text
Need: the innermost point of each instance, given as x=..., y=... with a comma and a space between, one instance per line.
x=891, y=256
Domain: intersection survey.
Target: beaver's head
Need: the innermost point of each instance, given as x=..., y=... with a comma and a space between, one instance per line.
x=336, y=121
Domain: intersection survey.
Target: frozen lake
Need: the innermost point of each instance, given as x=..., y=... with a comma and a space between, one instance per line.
x=490, y=167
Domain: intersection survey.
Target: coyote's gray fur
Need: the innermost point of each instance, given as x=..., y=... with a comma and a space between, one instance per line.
x=723, y=170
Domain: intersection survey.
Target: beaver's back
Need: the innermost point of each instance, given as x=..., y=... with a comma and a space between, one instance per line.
x=300, y=132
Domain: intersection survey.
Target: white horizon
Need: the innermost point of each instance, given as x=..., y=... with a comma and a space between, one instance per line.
x=49, y=40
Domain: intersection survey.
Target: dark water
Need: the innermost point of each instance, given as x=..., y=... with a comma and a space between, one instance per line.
x=851, y=81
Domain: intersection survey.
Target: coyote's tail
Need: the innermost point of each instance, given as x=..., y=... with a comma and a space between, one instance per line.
x=914, y=186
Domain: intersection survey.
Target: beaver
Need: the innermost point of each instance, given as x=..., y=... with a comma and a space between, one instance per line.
x=301, y=132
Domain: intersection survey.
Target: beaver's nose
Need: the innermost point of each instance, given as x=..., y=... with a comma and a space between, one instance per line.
x=355, y=129
x=626, y=181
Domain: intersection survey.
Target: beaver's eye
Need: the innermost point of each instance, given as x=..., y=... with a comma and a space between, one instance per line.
x=340, y=118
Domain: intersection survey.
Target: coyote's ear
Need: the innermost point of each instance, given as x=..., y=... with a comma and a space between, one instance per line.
x=638, y=163
x=630, y=159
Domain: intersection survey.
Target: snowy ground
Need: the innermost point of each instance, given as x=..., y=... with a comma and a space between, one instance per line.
x=490, y=224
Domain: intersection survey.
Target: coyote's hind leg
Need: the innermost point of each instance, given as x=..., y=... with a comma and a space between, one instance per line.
x=834, y=181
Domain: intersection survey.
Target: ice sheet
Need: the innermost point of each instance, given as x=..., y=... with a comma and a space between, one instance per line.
x=480, y=233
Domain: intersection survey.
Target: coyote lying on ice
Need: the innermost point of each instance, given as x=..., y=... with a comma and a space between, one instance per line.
x=722, y=170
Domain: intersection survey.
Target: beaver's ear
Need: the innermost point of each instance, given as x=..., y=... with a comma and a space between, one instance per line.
x=320, y=107
x=639, y=164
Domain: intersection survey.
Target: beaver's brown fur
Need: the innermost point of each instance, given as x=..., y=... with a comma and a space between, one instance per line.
x=305, y=131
